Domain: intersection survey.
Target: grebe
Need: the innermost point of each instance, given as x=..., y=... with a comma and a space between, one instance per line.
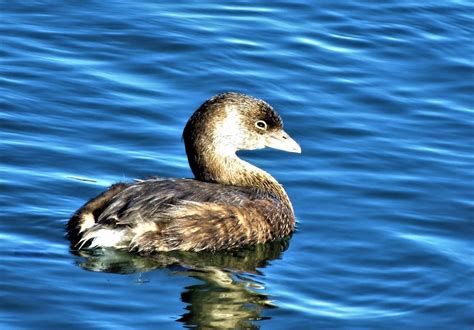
x=229, y=204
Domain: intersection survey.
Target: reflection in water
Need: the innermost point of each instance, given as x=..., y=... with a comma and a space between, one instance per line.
x=226, y=299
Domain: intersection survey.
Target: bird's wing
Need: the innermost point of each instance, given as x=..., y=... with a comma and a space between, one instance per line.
x=150, y=199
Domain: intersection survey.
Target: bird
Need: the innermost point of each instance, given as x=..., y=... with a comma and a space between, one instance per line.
x=229, y=204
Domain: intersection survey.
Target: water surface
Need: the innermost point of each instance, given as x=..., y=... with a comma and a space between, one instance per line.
x=379, y=95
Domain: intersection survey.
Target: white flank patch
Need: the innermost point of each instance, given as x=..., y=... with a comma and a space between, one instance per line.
x=105, y=238
x=143, y=228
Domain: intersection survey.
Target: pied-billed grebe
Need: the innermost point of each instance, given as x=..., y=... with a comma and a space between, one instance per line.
x=229, y=204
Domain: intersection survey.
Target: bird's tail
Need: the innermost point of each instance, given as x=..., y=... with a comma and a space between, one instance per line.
x=86, y=216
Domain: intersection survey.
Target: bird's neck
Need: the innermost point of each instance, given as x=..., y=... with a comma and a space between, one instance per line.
x=225, y=167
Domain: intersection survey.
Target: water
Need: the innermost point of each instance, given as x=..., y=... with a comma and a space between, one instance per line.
x=380, y=96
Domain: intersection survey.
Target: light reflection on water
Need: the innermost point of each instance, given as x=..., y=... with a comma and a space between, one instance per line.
x=227, y=296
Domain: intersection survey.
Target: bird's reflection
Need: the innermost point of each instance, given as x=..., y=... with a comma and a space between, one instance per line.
x=227, y=298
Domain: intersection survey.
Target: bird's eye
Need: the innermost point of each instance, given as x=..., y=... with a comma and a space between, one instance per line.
x=261, y=124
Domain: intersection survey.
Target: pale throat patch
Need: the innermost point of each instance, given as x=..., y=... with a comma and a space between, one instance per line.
x=228, y=134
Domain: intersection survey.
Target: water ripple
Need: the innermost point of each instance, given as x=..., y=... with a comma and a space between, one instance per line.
x=378, y=94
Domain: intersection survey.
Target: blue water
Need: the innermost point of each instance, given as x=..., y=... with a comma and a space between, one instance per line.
x=379, y=95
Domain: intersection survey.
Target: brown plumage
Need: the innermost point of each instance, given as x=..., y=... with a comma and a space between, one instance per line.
x=229, y=204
